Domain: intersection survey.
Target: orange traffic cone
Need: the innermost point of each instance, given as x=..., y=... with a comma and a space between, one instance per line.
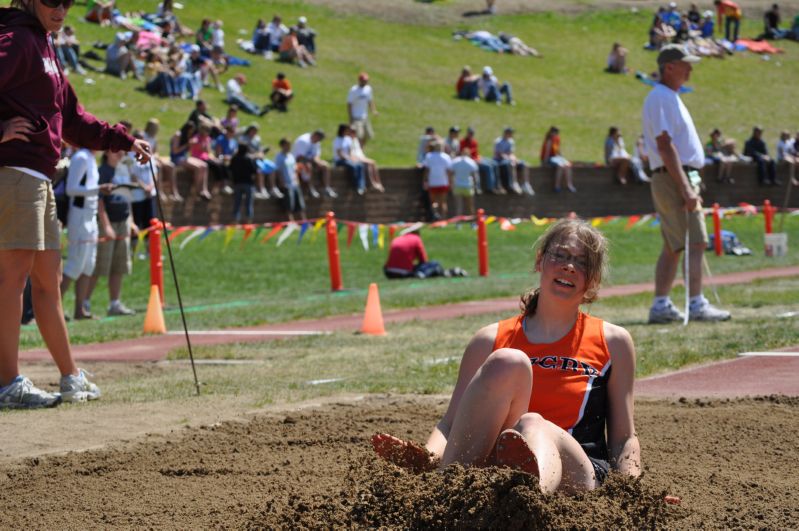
x=154, y=319
x=373, y=316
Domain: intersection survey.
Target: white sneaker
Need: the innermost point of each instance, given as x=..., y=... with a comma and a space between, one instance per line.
x=227, y=190
x=78, y=388
x=666, y=314
x=708, y=312
x=118, y=308
x=274, y=192
x=329, y=192
x=22, y=394
x=528, y=189
x=313, y=192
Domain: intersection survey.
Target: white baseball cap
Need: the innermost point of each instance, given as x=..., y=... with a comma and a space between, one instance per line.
x=487, y=70
x=302, y=20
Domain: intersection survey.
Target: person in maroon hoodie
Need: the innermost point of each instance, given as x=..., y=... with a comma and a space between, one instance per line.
x=38, y=108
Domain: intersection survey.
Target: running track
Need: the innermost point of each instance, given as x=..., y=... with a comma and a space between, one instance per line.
x=747, y=375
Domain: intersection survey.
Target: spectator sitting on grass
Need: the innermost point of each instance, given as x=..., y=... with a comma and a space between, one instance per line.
x=466, y=88
x=68, y=51
x=275, y=30
x=342, y=157
x=286, y=169
x=260, y=38
x=180, y=157
x=231, y=118
x=640, y=160
x=491, y=89
x=291, y=50
x=756, y=148
x=99, y=12
x=204, y=36
x=616, y=157
x=369, y=164
x=707, y=25
x=306, y=35
x=660, y=34
x=717, y=153
x=243, y=172
x=508, y=166
x=617, y=59
x=437, y=179
x=282, y=93
x=466, y=183
x=160, y=79
x=119, y=55
x=771, y=24
x=407, y=257
x=235, y=96
x=307, y=150
x=551, y=156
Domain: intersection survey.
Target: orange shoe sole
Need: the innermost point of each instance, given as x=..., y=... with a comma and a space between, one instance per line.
x=514, y=452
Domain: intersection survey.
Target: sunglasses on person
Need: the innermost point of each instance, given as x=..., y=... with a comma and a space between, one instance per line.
x=562, y=258
x=53, y=4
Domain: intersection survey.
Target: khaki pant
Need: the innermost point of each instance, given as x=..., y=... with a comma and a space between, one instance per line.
x=674, y=219
x=27, y=213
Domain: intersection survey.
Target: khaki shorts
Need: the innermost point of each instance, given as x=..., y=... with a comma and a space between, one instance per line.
x=27, y=213
x=670, y=206
x=463, y=192
x=363, y=129
x=113, y=256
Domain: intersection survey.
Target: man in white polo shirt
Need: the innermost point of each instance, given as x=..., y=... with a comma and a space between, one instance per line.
x=360, y=101
x=676, y=154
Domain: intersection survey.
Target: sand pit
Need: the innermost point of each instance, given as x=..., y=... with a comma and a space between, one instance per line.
x=729, y=462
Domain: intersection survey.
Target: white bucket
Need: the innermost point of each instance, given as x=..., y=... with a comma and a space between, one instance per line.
x=776, y=244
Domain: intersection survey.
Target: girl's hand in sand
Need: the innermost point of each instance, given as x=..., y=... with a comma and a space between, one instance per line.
x=405, y=454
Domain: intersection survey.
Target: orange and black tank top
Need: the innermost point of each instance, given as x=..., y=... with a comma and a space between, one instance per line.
x=570, y=378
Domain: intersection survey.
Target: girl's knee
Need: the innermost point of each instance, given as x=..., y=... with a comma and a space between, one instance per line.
x=530, y=422
x=507, y=363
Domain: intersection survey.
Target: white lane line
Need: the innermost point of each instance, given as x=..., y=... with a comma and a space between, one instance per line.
x=789, y=354
x=250, y=333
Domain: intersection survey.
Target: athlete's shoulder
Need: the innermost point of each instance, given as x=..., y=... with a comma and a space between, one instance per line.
x=618, y=340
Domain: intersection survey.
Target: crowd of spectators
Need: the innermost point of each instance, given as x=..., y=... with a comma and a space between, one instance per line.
x=222, y=156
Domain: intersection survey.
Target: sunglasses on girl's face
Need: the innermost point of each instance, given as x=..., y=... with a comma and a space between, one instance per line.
x=53, y=4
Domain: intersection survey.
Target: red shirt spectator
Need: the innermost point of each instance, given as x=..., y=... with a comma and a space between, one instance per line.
x=469, y=145
x=404, y=251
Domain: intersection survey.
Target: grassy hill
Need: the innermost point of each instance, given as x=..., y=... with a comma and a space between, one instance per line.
x=413, y=70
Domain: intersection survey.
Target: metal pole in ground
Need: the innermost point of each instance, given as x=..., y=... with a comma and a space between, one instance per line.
x=160, y=215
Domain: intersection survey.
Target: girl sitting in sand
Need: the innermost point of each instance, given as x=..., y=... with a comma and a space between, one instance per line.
x=537, y=391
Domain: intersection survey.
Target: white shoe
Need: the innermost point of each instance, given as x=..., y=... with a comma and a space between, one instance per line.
x=227, y=190
x=274, y=192
x=666, y=314
x=313, y=192
x=708, y=312
x=329, y=192
x=78, y=388
x=22, y=394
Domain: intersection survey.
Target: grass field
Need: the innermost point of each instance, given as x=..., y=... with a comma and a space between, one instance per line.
x=262, y=283
x=415, y=358
x=414, y=67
